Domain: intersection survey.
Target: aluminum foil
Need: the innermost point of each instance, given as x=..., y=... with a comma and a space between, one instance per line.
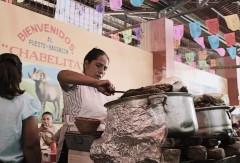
x=134, y=133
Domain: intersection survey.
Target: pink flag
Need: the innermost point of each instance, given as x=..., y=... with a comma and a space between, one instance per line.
x=100, y=7
x=115, y=36
x=176, y=43
x=192, y=64
x=212, y=71
x=138, y=33
x=154, y=0
x=212, y=25
x=220, y=51
x=178, y=57
x=200, y=41
x=178, y=31
x=115, y=4
x=213, y=62
x=230, y=38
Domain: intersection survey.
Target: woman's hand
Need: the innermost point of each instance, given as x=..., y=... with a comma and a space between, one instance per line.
x=105, y=87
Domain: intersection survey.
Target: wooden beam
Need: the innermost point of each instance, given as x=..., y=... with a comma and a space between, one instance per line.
x=202, y=8
x=225, y=67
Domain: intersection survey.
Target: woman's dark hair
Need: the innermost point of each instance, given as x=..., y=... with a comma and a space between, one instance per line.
x=93, y=55
x=10, y=76
x=47, y=113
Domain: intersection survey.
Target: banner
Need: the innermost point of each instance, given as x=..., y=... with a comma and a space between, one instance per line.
x=115, y=36
x=178, y=31
x=220, y=51
x=46, y=46
x=232, y=22
x=127, y=36
x=212, y=25
x=202, y=54
x=189, y=57
x=214, y=41
x=137, y=3
x=138, y=33
x=115, y=4
x=230, y=39
x=176, y=43
x=195, y=29
x=200, y=41
x=213, y=62
x=79, y=15
x=232, y=52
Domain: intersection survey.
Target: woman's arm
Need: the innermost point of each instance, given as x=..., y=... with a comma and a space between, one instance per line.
x=69, y=78
x=30, y=140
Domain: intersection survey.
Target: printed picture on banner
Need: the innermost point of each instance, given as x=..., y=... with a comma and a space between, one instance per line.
x=41, y=82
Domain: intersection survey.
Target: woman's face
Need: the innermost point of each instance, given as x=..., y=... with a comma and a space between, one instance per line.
x=47, y=119
x=96, y=69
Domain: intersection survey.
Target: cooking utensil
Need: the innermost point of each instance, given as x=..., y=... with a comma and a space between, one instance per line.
x=87, y=125
x=181, y=116
x=214, y=122
x=178, y=109
x=119, y=91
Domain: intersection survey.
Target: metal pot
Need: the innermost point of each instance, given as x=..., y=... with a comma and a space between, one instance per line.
x=180, y=115
x=214, y=121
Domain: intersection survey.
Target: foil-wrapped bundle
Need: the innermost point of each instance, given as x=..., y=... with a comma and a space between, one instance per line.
x=135, y=131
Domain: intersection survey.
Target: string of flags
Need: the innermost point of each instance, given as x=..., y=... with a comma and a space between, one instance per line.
x=116, y=4
x=233, y=24
x=232, y=21
x=128, y=36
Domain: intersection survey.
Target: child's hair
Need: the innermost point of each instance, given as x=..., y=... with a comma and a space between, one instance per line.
x=10, y=76
x=47, y=113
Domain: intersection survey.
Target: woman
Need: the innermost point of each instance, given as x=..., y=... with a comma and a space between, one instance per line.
x=84, y=94
x=47, y=129
x=19, y=140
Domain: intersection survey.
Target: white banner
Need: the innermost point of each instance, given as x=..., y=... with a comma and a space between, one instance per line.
x=80, y=15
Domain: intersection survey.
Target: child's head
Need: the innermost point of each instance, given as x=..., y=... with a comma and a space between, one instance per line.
x=47, y=118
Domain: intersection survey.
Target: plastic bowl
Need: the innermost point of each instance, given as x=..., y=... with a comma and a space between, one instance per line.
x=87, y=125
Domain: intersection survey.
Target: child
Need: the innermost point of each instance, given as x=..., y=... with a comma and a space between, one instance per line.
x=47, y=129
x=19, y=140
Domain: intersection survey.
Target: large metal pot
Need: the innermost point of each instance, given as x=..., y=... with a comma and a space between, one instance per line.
x=214, y=121
x=178, y=108
x=181, y=116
